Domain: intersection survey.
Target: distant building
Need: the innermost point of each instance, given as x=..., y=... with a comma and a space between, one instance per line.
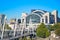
x=2, y=18
x=31, y=21
x=40, y=16
x=12, y=23
x=36, y=17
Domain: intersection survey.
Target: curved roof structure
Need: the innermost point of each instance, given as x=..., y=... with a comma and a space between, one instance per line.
x=39, y=12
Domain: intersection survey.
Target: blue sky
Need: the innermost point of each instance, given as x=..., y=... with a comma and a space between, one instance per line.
x=14, y=8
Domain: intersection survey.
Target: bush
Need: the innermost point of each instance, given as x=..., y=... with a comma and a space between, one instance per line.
x=42, y=31
x=57, y=32
x=56, y=26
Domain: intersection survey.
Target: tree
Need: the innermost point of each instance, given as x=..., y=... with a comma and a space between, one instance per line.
x=56, y=26
x=50, y=27
x=24, y=38
x=57, y=32
x=42, y=31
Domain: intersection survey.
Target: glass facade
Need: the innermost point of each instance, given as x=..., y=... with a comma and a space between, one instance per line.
x=39, y=16
x=34, y=18
x=52, y=19
x=39, y=13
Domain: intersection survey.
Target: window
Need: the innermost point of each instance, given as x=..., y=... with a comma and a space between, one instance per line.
x=46, y=20
x=52, y=19
x=22, y=20
x=42, y=20
x=34, y=18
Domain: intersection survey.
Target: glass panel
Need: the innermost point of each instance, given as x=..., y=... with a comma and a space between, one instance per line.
x=34, y=18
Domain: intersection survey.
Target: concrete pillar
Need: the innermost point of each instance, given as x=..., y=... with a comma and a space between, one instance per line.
x=55, y=13
x=44, y=20
x=41, y=20
x=48, y=18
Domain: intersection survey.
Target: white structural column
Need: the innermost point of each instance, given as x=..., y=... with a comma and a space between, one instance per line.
x=55, y=13
x=23, y=21
x=31, y=25
x=44, y=18
x=41, y=19
x=48, y=17
x=3, y=30
x=15, y=26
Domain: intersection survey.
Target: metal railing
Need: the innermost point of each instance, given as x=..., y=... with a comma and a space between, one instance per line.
x=9, y=34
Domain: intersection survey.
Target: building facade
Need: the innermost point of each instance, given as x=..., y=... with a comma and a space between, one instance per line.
x=12, y=23
x=31, y=21
x=40, y=16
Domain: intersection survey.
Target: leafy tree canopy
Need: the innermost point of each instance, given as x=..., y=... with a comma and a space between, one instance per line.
x=42, y=31
x=55, y=26
x=57, y=32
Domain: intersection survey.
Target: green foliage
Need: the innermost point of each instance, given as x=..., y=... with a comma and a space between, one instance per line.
x=50, y=27
x=29, y=39
x=57, y=32
x=7, y=27
x=57, y=29
x=55, y=26
x=42, y=31
x=24, y=38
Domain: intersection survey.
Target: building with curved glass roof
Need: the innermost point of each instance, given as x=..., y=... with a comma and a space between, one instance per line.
x=38, y=16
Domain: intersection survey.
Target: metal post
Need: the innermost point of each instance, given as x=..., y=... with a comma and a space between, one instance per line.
x=15, y=25
x=14, y=29
x=3, y=30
